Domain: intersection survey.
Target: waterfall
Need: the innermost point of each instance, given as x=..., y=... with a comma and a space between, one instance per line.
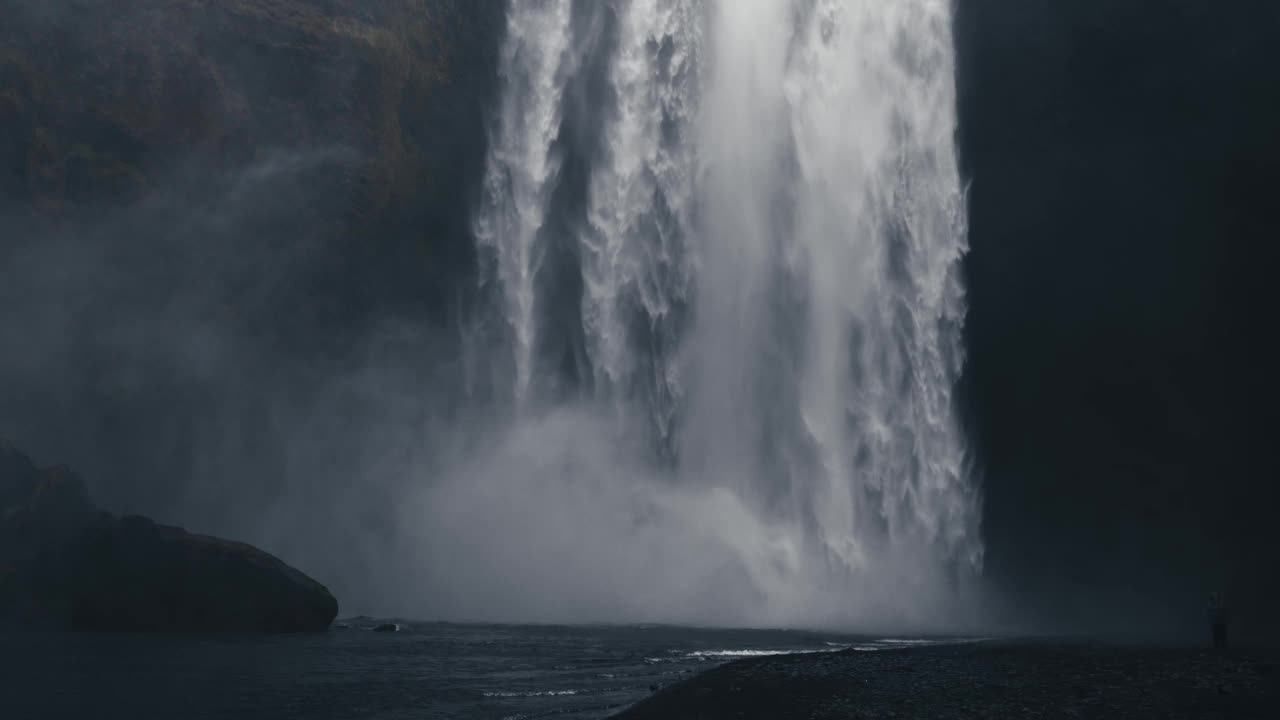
x=769, y=252
x=522, y=167
x=635, y=259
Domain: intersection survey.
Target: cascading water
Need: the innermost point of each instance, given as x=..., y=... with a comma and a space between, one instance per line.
x=770, y=315
x=639, y=210
x=522, y=166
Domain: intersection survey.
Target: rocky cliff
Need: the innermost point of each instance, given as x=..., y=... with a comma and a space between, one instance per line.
x=105, y=107
x=210, y=211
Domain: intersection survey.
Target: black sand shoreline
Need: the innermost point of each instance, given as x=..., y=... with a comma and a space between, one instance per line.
x=990, y=679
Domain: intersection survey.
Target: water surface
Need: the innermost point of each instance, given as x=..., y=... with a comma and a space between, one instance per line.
x=424, y=671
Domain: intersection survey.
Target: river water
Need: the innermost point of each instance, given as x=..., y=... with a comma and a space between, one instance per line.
x=435, y=670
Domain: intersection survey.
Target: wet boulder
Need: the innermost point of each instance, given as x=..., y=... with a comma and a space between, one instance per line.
x=65, y=564
x=138, y=575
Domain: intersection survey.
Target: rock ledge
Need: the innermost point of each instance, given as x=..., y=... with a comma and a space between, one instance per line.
x=66, y=564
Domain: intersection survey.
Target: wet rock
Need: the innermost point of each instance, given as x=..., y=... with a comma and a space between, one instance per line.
x=387, y=628
x=139, y=575
x=65, y=564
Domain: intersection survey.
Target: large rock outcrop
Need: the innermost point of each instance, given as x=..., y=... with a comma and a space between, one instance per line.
x=65, y=564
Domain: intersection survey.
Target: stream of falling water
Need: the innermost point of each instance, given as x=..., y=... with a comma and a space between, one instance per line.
x=770, y=312
x=522, y=166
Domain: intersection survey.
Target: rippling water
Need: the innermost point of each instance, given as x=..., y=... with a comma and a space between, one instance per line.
x=424, y=671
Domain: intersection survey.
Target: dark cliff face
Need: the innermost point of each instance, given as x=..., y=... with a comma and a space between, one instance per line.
x=1120, y=388
x=362, y=122
x=214, y=216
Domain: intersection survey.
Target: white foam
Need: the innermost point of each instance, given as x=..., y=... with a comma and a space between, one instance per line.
x=831, y=647
x=528, y=694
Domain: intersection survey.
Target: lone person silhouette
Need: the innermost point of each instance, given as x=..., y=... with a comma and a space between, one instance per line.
x=1218, y=621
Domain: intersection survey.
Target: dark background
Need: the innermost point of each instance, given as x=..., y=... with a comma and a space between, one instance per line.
x=293, y=192
x=1121, y=391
